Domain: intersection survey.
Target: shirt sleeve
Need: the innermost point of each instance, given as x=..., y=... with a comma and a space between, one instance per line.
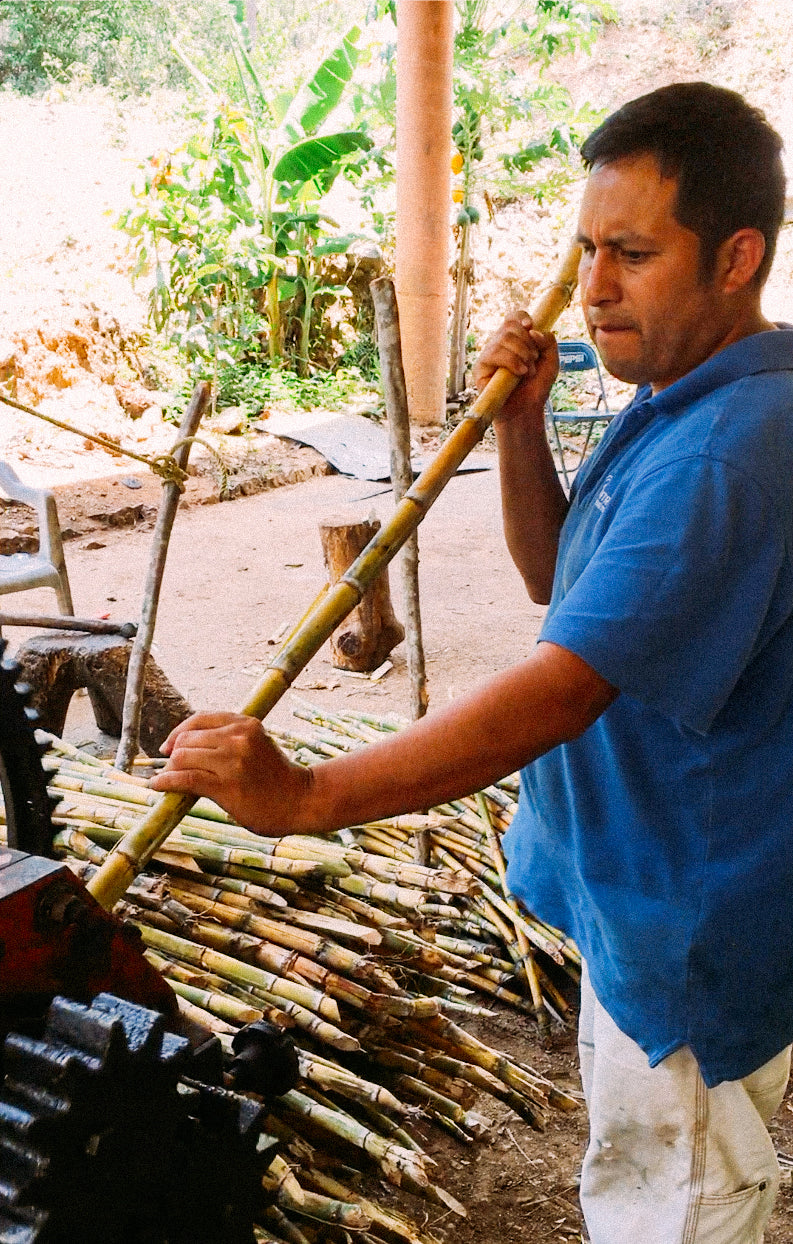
x=676, y=599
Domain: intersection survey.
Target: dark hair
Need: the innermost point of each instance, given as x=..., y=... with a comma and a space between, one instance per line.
x=723, y=152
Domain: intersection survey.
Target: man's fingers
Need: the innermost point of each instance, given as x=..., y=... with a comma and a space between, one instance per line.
x=517, y=351
x=186, y=782
x=202, y=750
x=518, y=344
x=198, y=721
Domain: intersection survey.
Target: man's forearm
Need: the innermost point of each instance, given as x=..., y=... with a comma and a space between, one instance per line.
x=513, y=719
x=228, y=757
x=533, y=503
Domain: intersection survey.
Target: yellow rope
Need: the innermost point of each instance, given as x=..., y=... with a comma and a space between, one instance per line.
x=222, y=465
x=164, y=465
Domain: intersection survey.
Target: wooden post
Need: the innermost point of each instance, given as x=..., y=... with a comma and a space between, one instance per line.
x=369, y=633
x=425, y=46
x=136, y=674
x=396, y=405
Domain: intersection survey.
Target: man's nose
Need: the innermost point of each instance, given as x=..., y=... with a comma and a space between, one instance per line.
x=598, y=278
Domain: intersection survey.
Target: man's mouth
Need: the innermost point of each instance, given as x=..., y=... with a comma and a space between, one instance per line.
x=609, y=329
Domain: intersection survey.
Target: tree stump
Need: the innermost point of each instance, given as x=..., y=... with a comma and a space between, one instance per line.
x=367, y=635
x=57, y=665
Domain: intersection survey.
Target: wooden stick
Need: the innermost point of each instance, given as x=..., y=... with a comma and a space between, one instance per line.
x=91, y=626
x=138, y=846
x=462, y=278
x=396, y=405
x=136, y=671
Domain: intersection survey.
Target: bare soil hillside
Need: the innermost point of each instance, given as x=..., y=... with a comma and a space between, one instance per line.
x=73, y=333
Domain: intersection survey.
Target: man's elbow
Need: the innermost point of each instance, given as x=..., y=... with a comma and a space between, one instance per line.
x=538, y=589
x=578, y=715
x=576, y=694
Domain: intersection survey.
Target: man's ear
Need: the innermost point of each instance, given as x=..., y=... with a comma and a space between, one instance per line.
x=738, y=259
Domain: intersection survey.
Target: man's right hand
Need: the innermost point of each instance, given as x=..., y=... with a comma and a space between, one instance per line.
x=229, y=758
x=527, y=353
x=532, y=499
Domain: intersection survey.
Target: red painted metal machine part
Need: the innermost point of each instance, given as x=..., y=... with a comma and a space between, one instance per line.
x=55, y=939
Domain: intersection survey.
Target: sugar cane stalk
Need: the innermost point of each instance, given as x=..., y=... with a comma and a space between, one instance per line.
x=139, y=845
x=523, y=942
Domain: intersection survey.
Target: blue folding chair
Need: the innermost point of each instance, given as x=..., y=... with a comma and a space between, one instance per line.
x=577, y=356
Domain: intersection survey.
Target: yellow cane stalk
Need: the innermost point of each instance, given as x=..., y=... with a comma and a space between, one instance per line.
x=139, y=845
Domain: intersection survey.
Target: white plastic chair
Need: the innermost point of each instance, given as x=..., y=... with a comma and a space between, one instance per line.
x=47, y=567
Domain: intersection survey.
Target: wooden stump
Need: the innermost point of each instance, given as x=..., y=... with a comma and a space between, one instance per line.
x=57, y=665
x=367, y=635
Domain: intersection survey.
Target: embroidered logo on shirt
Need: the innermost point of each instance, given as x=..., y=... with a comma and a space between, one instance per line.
x=604, y=496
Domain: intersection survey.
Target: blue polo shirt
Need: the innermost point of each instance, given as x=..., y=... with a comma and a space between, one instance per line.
x=662, y=838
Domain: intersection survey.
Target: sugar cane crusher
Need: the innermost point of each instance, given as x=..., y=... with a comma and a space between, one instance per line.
x=119, y=1123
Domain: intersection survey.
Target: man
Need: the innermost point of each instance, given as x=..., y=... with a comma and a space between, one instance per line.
x=654, y=719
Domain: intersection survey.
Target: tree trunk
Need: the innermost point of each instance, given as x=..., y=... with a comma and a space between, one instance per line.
x=425, y=45
x=141, y=647
x=459, y=331
x=368, y=634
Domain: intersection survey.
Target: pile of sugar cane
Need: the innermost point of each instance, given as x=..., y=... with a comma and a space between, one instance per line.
x=372, y=961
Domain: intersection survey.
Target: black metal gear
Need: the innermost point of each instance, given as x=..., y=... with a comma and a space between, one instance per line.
x=104, y=1141
x=108, y=1134
x=28, y=806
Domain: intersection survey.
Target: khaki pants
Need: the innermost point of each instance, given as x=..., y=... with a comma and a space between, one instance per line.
x=670, y=1161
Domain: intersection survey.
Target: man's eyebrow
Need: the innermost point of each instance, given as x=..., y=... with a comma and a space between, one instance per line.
x=620, y=241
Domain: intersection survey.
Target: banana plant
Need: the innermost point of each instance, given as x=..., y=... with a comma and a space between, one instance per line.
x=296, y=168
x=261, y=163
x=301, y=237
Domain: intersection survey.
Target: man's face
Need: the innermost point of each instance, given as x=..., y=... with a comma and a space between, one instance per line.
x=648, y=312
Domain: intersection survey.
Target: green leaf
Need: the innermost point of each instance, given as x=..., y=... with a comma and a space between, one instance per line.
x=330, y=289
x=525, y=159
x=279, y=106
x=329, y=82
x=315, y=101
x=312, y=157
x=336, y=246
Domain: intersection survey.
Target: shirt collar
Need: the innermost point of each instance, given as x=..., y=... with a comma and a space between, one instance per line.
x=760, y=352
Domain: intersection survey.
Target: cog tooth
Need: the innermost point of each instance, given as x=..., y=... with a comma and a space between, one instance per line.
x=22, y=777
